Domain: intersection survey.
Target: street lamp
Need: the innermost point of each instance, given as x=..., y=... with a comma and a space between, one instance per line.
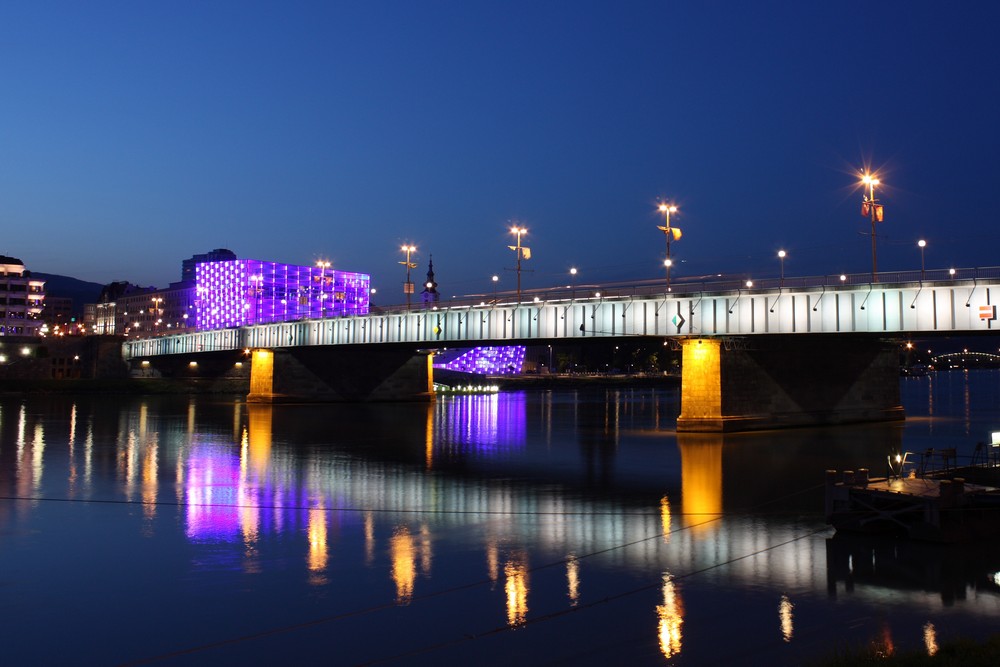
x=781, y=258
x=408, y=286
x=670, y=233
x=572, y=273
x=323, y=266
x=496, y=279
x=872, y=209
x=921, y=244
x=522, y=253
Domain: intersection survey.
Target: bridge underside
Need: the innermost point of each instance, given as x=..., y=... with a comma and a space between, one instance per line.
x=334, y=374
x=751, y=384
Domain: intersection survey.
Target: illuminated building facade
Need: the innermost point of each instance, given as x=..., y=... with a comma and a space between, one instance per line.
x=21, y=299
x=248, y=291
x=501, y=360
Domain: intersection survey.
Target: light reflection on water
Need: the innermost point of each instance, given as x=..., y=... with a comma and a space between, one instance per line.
x=556, y=502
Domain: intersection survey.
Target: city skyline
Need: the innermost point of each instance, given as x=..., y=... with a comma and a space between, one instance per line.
x=137, y=136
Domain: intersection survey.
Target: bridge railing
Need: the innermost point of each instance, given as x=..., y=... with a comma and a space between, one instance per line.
x=715, y=284
x=685, y=285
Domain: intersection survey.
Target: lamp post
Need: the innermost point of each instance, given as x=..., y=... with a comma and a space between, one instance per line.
x=408, y=286
x=872, y=209
x=572, y=275
x=781, y=258
x=156, y=310
x=521, y=252
x=671, y=233
x=921, y=244
x=323, y=266
x=495, y=279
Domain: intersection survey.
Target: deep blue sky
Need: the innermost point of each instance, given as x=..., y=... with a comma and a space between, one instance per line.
x=135, y=134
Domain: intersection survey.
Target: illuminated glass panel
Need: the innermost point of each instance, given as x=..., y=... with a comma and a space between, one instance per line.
x=501, y=360
x=244, y=292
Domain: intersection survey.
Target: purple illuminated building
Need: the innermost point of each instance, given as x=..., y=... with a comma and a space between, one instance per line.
x=502, y=360
x=243, y=292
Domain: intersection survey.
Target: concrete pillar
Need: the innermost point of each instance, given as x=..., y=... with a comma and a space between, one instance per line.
x=781, y=381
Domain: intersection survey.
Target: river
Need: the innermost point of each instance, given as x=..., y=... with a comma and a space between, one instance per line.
x=526, y=527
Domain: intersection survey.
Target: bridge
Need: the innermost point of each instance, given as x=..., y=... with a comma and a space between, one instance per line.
x=749, y=351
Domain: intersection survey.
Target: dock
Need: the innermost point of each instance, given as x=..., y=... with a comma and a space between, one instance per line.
x=927, y=507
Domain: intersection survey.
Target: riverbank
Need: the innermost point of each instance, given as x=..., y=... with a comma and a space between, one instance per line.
x=143, y=386
x=556, y=381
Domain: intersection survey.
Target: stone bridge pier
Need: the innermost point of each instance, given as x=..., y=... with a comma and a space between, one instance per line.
x=345, y=373
x=754, y=383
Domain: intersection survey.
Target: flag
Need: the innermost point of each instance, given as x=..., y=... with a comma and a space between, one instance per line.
x=879, y=215
x=865, y=209
x=526, y=253
x=676, y=232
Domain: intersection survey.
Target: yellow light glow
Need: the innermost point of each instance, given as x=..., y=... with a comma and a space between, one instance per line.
x=573, y=580
x=785, y=614
x=317, y=539
x=404, y=571
x=930, y=638
x=665, y=520
x=516, y=587
x=670, y=617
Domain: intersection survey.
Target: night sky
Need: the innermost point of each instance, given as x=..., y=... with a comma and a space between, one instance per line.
x=136, y=134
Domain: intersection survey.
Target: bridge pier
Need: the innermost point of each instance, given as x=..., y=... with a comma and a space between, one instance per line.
x=335, y=374
x=746, y=384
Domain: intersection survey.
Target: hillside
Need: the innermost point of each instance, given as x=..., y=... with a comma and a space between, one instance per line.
x=80, y=291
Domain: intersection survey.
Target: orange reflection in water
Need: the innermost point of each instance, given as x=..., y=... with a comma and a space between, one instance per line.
x=493, y=559
x=665, y=520
x=404, y=569
x=670, y=616
x=515, y=572
x=930, y=638
x=573, y=579
x=318, y=554
x=785, y=608
x=884, y=646
x=150, y=479
x=259, y=428
x=701, y=478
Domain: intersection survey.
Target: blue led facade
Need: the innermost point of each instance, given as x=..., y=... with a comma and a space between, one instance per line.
x=244, y=292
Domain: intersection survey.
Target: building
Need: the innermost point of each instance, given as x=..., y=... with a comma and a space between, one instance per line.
x=125, y=309
x=22, y=299
x=217, y=255
x=248, y=291
x=228, y=293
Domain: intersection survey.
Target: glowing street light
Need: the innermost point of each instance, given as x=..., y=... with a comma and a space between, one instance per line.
x=408, y=286
x=872, y=209
x=671, y=233
x=323, y=266
x=522, y=253
x=921, y=244
x=781, y=258
x=496, y=279
x=572, y=273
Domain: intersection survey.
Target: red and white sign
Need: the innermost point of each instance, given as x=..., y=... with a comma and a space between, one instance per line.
x=987, y=313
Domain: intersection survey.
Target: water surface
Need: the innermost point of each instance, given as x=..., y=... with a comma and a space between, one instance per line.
x=571, y=527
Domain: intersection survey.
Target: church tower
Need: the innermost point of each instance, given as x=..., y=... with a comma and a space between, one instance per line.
x=430, y=294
